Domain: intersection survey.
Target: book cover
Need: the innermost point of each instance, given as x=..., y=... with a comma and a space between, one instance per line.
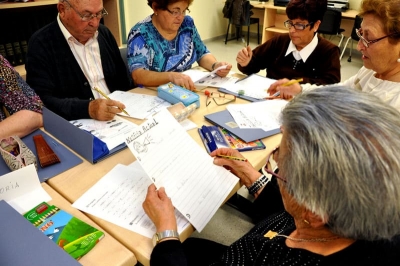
x=70, y=233
x=215, y=137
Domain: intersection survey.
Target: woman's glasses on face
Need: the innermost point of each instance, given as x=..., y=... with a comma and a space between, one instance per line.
x=176, y=12
x=298, y=26
x=366, y=42
x=271, y=165
x=218, y=98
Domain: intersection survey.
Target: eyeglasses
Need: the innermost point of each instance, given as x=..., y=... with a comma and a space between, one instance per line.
x=177, y=13
x=298, y=26
x=271, y=165
x=88, y=16
x=367, y=43
x=219, y=98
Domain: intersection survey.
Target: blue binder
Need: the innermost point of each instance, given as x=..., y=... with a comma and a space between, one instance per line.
x=77, y=139
x=21, y=243
x=67, y=158
x=225, y=120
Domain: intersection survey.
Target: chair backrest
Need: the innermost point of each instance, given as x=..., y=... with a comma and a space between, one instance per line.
x=330, y=22
x=357, y=25
x=123, y=52
x=240, y=12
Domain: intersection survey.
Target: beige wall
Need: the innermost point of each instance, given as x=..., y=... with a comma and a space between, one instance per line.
x=354, y=4
x=207, y=15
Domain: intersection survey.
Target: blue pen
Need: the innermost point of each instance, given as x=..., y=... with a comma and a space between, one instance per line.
x=210, y=140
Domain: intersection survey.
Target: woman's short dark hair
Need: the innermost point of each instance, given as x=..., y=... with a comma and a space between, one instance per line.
x=163, y=4
x=311, y=10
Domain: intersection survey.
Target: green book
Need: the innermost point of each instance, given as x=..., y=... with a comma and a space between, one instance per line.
x=70, y=233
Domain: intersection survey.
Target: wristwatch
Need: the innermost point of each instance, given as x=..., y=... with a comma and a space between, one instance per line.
x=164, y=234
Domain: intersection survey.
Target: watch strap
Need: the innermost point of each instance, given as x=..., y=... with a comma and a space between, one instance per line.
x=167, y=234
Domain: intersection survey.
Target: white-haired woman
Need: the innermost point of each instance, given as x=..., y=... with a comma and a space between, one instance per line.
x=339, y=177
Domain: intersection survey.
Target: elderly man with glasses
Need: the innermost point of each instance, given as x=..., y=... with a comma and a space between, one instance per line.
x=71, y=56
x=300, y=53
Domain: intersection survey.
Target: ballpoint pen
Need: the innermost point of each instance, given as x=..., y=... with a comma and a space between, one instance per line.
x=108, y=98
x=232, y=158
x=291, y=82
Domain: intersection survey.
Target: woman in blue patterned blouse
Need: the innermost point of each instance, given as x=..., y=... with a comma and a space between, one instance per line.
x=21, y=107
x=167, y=43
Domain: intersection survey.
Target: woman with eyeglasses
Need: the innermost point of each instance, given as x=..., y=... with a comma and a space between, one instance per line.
x=339, y=179
x=301, y=53
x=379, y=45
x=167, y=43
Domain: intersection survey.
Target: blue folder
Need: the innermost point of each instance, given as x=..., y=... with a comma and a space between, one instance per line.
x=67, y=158
x=225, y=120
x=21, y=243
x=77, y=139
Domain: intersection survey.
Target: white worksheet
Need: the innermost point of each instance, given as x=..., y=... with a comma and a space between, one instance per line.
x=138, y=105
x=110, y=132
x=118, y=196
x=172, y=159
x=254, y=86
x=203, y=79
x=264, y=114
x=22, y=190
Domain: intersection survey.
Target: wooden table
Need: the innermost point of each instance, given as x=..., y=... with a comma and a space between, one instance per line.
x=76, y=181
x=108, y=251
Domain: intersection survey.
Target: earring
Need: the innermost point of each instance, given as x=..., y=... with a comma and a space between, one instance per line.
x=156, y=14
x=398, y=60
x=307, y=222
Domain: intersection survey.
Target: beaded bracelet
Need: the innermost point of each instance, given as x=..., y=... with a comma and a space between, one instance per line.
x=259, y=183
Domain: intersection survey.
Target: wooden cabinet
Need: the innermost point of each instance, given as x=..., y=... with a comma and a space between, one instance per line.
x=19, y=19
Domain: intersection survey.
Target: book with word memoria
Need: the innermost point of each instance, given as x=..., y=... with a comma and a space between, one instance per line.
x=215, y=137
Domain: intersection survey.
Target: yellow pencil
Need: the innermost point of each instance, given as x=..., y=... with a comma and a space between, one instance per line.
x=291, y=82
x=232, y=158
x=105, y=96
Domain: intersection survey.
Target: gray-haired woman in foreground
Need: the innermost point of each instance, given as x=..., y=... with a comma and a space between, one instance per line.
x=339, y=178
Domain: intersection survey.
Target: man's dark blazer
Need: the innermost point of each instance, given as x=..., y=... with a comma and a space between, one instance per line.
x=55, y=75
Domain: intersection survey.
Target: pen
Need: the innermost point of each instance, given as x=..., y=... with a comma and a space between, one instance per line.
x=276, y=94
x=105, y=96
x=244, y=42
x=232, y=158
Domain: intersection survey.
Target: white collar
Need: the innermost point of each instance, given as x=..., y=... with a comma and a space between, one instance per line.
x=305, y=52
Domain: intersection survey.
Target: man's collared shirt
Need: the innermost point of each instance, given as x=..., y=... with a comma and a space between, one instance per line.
x=88, y=57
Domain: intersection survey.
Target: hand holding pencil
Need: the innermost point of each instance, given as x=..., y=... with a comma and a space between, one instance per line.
x=284, y=88
x=105, y=109
x=234, y=161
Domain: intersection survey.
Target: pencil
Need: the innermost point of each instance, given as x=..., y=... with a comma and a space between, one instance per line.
x=232, y=158
x=244, y=42
x=108, y=98
x=291, y=82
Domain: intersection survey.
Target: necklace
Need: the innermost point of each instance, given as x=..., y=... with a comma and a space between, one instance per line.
x=271, y=234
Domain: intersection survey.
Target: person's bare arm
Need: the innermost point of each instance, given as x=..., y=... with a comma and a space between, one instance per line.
x=149, y=78
x=20, y=124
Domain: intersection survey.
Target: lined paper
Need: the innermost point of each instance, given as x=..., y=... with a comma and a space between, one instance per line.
x=172, y=159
